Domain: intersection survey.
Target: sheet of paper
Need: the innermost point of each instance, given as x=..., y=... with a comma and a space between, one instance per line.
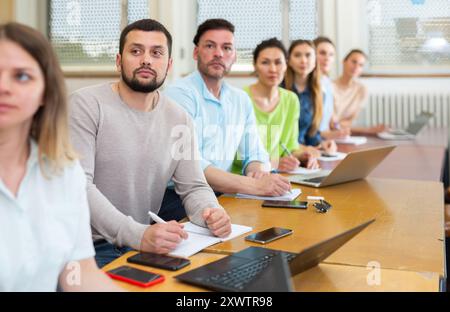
x=353, y=140
x=293, y=194
x=236, y=230
x=390, y=136
x=192, y=245
x=200, y=238
x=305, y=171
x=337, y=156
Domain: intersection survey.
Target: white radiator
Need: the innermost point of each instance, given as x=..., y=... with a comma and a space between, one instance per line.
x=398, y=109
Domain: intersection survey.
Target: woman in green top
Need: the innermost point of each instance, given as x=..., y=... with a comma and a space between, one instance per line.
x=277, y=110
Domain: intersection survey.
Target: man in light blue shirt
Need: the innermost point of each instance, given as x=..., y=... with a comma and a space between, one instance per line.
x=328, y=103
x=224, y=117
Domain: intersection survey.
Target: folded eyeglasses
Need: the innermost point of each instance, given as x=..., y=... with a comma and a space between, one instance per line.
x=322, y=206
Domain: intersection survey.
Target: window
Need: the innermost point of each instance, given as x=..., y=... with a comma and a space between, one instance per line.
x=409, y=36
x=86, y=32
x=303, y=19
x=256, y=20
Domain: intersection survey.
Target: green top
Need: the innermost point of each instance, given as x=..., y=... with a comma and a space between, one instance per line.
x=279, y=126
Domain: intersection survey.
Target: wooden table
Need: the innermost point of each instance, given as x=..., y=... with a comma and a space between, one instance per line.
x=170, y=284
x=324, y=277
x=425, y=163
x=427, y=137
x=407, y=235
x=406, y=241
x=419, y=159
x=413, y=163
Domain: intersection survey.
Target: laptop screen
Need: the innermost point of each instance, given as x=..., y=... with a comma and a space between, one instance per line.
x=419, y=122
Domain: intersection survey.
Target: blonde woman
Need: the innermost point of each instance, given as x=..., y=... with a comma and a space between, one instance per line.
x=303, y=78
x=44, y=225
x=351, y=95
x=326, y=51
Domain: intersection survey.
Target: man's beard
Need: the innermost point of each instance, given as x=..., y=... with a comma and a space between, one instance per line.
x=137, y=86
x=204, y=69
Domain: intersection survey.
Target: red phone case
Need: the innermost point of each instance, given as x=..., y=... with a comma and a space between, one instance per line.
x=134, y=282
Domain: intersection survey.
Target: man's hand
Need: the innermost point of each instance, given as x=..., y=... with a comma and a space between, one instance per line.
x=272, y=185
x=288, y=163
x=163, y=238
x=257, y=174
x=217, y=221
x=341, y=133
x=309, y=161
x=377, y=129
x=314, y=151
x=329, y=146
x=257, y=170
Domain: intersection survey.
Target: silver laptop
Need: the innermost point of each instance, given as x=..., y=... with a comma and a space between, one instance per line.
x=356, y=165
x=409, y=133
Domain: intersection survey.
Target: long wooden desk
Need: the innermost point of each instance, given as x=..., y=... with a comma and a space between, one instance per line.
x=427, y=137
x=407, y=235
x=419, y=159
x=423, y=163
x=406, y=241
x=413, y=163
x=325, y=277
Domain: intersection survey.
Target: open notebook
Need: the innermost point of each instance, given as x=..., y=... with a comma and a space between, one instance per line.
x=334, y=157
x=291, y=195
x=200, y=238
x=353, y=140
x=302, y=170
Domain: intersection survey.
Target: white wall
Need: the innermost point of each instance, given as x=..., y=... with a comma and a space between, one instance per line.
x=32, y=13
x=414, y=85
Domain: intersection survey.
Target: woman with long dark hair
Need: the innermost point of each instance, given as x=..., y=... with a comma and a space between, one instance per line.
x=303, y=78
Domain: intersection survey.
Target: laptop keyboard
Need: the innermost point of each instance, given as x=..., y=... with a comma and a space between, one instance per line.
x=237, y=278
x=315, y=180
x=398, y=132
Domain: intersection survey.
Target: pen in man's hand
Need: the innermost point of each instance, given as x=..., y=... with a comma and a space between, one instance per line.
x=285, y=149
x=156, y=218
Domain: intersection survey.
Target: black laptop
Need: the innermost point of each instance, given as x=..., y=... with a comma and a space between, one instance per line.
x=244, y=270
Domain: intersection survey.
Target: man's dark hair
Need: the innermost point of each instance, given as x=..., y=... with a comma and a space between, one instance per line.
x=269, y=43
x=145, y=25
x=212, y=24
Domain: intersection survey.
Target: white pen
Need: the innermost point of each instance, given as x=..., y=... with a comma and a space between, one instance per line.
x=155, y=217
x=314, y=197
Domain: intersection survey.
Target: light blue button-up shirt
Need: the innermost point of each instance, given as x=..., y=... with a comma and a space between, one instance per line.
x=224, y=126
x=43, y=228
x=328, y=103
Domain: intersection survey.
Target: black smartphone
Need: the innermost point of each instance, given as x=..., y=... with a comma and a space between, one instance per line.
x=268, y=235
x=135, y=276
x=159, y=261
x=285, y=204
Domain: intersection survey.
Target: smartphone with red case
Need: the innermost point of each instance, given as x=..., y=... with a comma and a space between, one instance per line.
x=135, y=276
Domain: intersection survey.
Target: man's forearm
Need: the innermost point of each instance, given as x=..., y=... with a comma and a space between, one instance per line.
x=116, y=227
x=225, y=182
x=256, y=166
